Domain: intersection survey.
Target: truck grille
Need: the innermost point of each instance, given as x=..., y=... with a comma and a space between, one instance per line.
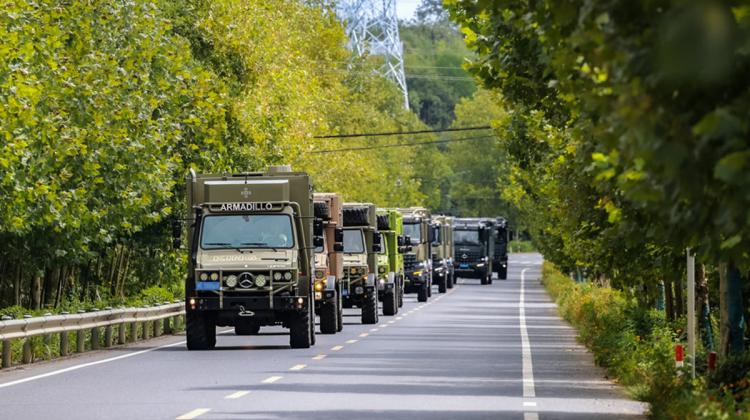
x=467, y=256
x=410, y=261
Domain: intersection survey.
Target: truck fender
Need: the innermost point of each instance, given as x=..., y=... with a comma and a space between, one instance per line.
x=371, y=279
x=331, y=283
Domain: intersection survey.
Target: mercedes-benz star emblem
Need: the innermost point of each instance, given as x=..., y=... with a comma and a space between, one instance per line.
x=246, y=280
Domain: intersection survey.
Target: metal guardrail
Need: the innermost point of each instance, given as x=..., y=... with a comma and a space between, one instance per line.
x=157, y=319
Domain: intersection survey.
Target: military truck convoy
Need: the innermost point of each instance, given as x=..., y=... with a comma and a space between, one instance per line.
x=264, y=250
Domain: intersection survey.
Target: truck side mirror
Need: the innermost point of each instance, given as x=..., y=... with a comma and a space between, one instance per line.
x=376, y=248
x=318, y=241
x=376, y=239
x=403, y=249
x=318, y=227
x=431, y=234
x=407, y=240
x=338, y=247
x=400, y=240
x=338, y=235
x=176, y=229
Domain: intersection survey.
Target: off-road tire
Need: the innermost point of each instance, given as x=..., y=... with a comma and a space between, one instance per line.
x=370, y=309
x=483, y=278
x=442, y=284
x=384, y=223
x=356, y=216
x=449, y=280
x=200, y=331
x=429, y=290
x=246, y=329
x=503, y=273
x=401, y=296
x=329, y=319
x=321, y=211
x=340, y=311
x=299, y=331
x=390, y=303
x=422, y=293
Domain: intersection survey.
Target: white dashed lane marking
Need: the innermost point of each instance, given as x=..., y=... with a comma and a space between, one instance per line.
x=238, y=394
x=271, y=380
x=193, y=414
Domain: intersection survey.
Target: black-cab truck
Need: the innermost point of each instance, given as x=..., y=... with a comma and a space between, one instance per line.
x=500, y=260
x=443, y=272
x=417, y=261
x=474, y=248
x=250, y=242
x=329, y=262
x=361, y=248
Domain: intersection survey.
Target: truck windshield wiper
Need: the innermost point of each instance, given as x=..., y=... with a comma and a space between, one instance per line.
x=259, y=244
x=218, y=243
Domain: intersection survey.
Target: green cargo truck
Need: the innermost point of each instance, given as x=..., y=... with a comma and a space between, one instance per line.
x=417, y=261
x=442, y=253
x=391, y=260
x=329, y=262
x=250, y=263
x=361, y=248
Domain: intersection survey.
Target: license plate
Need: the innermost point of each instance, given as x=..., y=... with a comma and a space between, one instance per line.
x=207, y=285
x=463, y=266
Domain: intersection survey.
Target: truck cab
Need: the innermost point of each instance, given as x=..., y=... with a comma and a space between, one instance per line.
x=442, y=253
x=329, y=262
x=474, y=247
x=250, y=242
x=391, y=260
x=361, y=248
x=417, y=262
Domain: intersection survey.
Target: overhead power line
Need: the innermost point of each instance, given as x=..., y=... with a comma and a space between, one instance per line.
x=398, y=133
x=387, y=146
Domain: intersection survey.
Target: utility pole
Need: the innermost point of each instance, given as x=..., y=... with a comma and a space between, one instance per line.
x=691, y=309
x=372, y=28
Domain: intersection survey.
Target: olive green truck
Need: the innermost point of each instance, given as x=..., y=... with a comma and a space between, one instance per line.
x=329, y=261
x=250, y=263
x=361, y=248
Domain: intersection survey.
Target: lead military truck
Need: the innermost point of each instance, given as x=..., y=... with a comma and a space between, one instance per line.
x=329, y=262
x=361, y=247
x=474, y=247
x=250, y=264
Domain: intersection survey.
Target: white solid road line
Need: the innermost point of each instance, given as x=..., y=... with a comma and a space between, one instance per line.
x=238, y=394
x=193, y=414
x=84, y=365
x=271, y=380
x=297, y=367
x=527, y=366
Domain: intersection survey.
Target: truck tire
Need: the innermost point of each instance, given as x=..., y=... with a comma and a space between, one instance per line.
x=299, y=331
x=449, y=280
x=321, y=211
x=489, y=277
x=246, y=329
x=328, y=318
x=200, y=331
x=339, y=311
x=422, y=293
x=384, y=223
x=443, y=284
x=370, y=309
x=401, y=296
x=483, y=277
x=356, y=216
x=503, y=273
x=429, y=290
x=390, y=303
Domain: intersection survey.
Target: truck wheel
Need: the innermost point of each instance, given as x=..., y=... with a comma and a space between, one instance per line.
x=429, y=289
x=422, y=293
x=503, y=273
x=443, y=284
x=340, y=312
x=200, y=331
x=321, y=211
x=356, y=216
x=449, y=281
x=299, y=331
x=328, y=318
x=483, y=277
x=489, y=277
x=246, y=329
x=401, y=296
x=390, y=303
x=370, y=309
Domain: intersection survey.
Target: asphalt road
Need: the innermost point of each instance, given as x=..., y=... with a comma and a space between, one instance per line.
x=478, y=352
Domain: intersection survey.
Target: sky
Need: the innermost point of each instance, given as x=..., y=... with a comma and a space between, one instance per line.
x=405, y=8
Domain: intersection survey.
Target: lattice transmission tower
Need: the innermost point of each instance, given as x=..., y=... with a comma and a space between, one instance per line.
x=372, y=28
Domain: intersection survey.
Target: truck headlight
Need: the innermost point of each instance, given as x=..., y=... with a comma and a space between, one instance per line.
x=277, y=276
x=354, y=270
x=318, y=286
x=288, y=276
x=214, y=276
x=203, y=276
x=381, y=270
x=418, y=273
x=231, y=281
x=260, y=280
x=319, y=274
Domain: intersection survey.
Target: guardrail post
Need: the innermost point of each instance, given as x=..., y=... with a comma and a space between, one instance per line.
x=81, y=338
x=121, y=334
x=145, y=331
x=7, y=362
x=167, y=326
x=95, y=335
x=157, y=328
x=28, y=351
x=108, y=332
x=64, y=342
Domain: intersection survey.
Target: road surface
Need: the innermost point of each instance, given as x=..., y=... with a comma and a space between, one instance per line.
x=478, y=352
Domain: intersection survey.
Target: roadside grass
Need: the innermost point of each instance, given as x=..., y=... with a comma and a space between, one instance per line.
x=636, y=346
x=521, y=246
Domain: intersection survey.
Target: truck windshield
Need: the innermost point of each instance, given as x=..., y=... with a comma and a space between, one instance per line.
x=414, y=231
x=353, y=241
x=466, y=236
x=247, y=231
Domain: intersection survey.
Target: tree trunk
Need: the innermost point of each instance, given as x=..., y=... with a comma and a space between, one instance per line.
x=669, y=299
x=678, y=297
x=36, y=291
x=17, y=285
x=703, y=307
x=730, y=286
